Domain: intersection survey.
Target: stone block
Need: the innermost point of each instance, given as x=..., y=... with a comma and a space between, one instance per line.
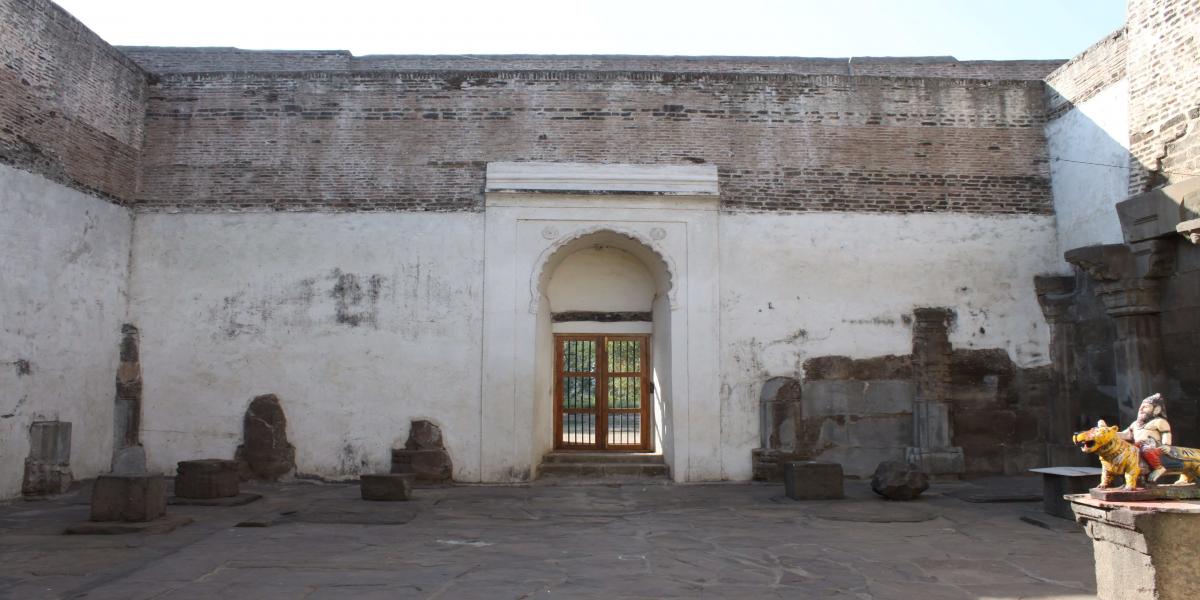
x=131, y=498
x=45, y=479
x=386, y=486
x=207, y=479
x=50, y=442
x=897, y=480
x=429, y=466
x=767, y=464
x=812, y=480
x=888, y=396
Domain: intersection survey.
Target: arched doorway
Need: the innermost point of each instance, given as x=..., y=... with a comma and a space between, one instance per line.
x=600, y=294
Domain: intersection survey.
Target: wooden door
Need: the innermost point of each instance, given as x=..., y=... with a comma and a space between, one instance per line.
x=602, y=393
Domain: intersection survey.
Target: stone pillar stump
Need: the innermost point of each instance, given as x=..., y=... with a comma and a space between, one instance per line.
x=386, y=486
x=812, y=480
x=131, y=498
x=1143, y=550
x=207, y=479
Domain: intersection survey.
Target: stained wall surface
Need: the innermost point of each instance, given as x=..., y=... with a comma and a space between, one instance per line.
x=1087, y=139
x=62, y=301
x=845, y=285
x=358, y=323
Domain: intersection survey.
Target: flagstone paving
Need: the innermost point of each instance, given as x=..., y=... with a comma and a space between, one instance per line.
x=319, y=541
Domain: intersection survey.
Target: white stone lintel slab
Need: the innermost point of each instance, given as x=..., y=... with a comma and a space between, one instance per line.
x=688, y=180
x=624, y=327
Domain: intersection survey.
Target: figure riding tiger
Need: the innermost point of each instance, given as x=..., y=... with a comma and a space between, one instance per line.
x=1144, y=445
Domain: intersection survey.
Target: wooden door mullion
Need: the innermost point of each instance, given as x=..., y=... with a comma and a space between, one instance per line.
x=601, y=393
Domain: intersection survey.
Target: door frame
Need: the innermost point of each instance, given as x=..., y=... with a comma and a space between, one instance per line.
x=601, y=410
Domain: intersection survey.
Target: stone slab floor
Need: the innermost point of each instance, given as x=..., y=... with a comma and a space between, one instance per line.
x=319, y=541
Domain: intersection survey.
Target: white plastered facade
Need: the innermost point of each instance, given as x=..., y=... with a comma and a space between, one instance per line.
x=536, y=216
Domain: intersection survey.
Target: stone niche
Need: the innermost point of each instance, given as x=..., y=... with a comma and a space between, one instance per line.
x=779, y=413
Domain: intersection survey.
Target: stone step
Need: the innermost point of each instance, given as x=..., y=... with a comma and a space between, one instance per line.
x=644, y=458
x=598, y=470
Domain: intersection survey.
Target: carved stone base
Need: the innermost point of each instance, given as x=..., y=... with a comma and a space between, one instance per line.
x=768, y=463
x=1143, y=550
x=937, y=461
x=1159, y=492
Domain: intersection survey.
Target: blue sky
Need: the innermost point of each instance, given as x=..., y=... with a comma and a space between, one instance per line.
x=966, y=29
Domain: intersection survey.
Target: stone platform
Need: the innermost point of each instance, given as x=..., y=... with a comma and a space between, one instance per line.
x=563, y=541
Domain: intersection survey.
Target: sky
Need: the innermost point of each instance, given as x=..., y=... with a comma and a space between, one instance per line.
x=965, y=29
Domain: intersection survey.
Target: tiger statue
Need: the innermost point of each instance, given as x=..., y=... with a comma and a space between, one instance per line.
x=1121, y=458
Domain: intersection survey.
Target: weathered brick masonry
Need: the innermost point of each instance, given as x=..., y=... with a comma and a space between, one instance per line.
x=1164, y=91
x=199, y=60
x=71, y=106
x=419, y=140
x=1086, y=75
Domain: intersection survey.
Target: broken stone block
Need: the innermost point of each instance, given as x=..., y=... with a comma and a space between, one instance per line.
x=897, y=480
x=386, y=486
x=206, y=479
x=265, y=449
x=424, y=455
x=812, y=480
x=131, y=498
x=423, y=435
x=48, y=467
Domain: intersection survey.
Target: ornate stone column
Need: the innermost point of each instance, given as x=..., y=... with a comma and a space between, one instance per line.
x=1128, y=281
x=1056, y=296
x=932, y=449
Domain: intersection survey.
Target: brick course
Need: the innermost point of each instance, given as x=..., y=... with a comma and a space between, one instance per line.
x=71, y=106
x=419, y=140
x=1164, y=91
x=1086, y=75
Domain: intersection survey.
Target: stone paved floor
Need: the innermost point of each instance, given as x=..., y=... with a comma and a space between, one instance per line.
x=631, y=541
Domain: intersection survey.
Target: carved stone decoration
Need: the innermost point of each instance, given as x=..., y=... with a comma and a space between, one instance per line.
x=1190, y=230
x=265, y=451
x=1129, y=282
x=48, y=467
x=550, y=232
x=779, y=426
x=1056, y=295
x=658, y=233
x=424, y=455
x=128, y=454
x=931, y=449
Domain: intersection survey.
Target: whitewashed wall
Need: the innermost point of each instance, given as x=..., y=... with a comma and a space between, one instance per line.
x=1085, y=195
x=62, y=301
x=358, y=322
x=795, y=287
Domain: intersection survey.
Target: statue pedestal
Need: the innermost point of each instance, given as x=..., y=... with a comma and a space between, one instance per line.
x=1142, y=549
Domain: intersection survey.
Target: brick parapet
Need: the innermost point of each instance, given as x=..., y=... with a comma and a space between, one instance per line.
x=1086, y=75
x=420, y=140
x=195, y=60
x=71, y=106
x=1164, y=91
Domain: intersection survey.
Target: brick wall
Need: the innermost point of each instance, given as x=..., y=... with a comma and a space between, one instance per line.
x=1086, y=75
x=419, y=140
x=1164, y=94
x=71, y=106
x=201, y=60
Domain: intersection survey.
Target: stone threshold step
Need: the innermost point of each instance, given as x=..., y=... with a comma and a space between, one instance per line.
x=644, y=458
x=603, y=470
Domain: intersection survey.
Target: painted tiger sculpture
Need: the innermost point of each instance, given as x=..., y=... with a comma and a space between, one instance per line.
x=1121, y=458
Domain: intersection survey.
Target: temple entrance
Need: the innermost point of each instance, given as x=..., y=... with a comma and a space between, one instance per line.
x=602, y=393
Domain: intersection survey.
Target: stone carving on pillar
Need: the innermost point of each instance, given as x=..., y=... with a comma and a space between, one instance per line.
x=1056, y=296
x=128, y=454
x=1129, y=282
x=779, y=426
x=1190, y=230
x=931, y=449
